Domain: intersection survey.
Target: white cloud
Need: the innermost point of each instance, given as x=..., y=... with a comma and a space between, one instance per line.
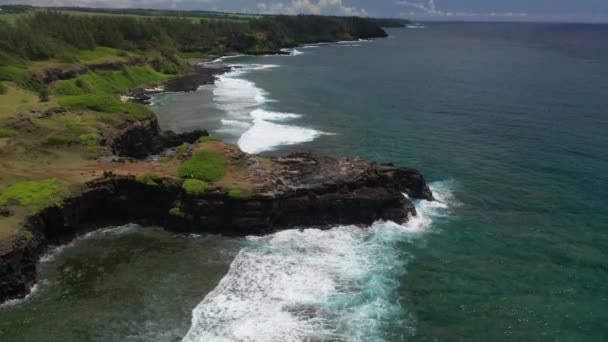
x=332, y=7
x=427, y=6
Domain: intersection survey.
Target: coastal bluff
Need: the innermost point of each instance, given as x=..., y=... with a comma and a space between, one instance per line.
x=297, y=190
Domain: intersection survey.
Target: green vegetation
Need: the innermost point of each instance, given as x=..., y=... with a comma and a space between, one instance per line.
x=91, y=142
x=176, y=211
x=58, y=140
x=7, y=133
x=108, y=81
x=204, y=165
x=44, y=35
x=36, y=195
x=237, y=193
x=149, y=179
x=208, y=138
x=194, y=186
x=99, y=53
x=104, y=104
x=3, y=89
x=43, y=94
x=181, y=149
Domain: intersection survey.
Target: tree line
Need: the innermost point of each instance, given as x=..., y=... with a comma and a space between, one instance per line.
x=42, y=35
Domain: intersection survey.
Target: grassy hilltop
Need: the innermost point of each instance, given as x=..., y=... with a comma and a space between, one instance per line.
x=60, y=74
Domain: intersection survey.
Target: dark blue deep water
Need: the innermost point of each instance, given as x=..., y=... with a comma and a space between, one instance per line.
x=508, y=122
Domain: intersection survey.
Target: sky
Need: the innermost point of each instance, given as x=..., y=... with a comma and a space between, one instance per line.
x=470, y=10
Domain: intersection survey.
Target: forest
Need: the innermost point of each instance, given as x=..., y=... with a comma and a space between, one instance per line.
x=43, y=35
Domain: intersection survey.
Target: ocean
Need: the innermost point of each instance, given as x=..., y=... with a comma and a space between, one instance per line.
x=507, y=122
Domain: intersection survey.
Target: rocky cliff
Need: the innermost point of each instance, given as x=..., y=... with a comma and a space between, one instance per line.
x=304, y=190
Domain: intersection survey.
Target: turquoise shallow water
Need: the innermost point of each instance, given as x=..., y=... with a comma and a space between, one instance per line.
x=507, y=121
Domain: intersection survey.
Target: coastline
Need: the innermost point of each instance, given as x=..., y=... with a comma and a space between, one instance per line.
x=145, y=138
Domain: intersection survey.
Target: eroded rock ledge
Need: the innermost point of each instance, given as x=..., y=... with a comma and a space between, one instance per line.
x=305, y=190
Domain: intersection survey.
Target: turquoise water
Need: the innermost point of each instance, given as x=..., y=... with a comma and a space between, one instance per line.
x=513, y=118
x=508, y=123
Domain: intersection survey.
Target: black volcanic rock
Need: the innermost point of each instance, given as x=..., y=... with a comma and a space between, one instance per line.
x=304, y=190
x=142, y=138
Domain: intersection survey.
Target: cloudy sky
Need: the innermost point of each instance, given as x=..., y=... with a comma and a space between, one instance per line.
x=529, y=10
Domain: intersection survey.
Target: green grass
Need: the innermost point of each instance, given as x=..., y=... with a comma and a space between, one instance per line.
x=149, y=179
x=91, y=142
x=208, y=138
x=36, y=195
x=7, y=132
x=180, y=150
x=104, y=104
x=204, y=165
x=194, y=186
x=100, y=52
x=60, y=140
x=12, y=73
x=3, y=88
x=108, y=82
x=11, y=18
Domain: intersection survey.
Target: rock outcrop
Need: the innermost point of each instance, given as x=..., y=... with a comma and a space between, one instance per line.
x=142, y=138
x=304, y=190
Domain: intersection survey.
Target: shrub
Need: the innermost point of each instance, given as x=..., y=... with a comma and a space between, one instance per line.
x=12, y=73
x=181, y=149
x=91, y=141
x=148, y=179
x=236, y=193
x=65, y=58
x=35, y=194
x=204, y=165
x=208, y=138
x=75, y=127
x=43, y=94
x=3, y=88
x=58, y=140
x=176, y=211
x=7, y=133
x=73, y=87
x=194, y=186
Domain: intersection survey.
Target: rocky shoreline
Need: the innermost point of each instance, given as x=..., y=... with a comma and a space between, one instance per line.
x=203, y=73
x=306, y=190
x=301, y=190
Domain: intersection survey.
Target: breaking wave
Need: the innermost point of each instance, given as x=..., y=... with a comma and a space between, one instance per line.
x=318, y=285
x=255, y=128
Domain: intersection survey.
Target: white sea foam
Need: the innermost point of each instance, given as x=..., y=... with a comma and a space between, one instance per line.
x=258, y=129
x=292, y=51
x=272, y=116
x=223, y=58
x=314, y=285
x=13, y=302
x=415, y=26
x=265, y=136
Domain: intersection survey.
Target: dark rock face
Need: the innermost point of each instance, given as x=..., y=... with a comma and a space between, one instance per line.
x=308, y=191
x=142, y=138
x=201, y=74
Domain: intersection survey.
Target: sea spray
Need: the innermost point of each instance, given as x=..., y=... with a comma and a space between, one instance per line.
x=317, y=285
